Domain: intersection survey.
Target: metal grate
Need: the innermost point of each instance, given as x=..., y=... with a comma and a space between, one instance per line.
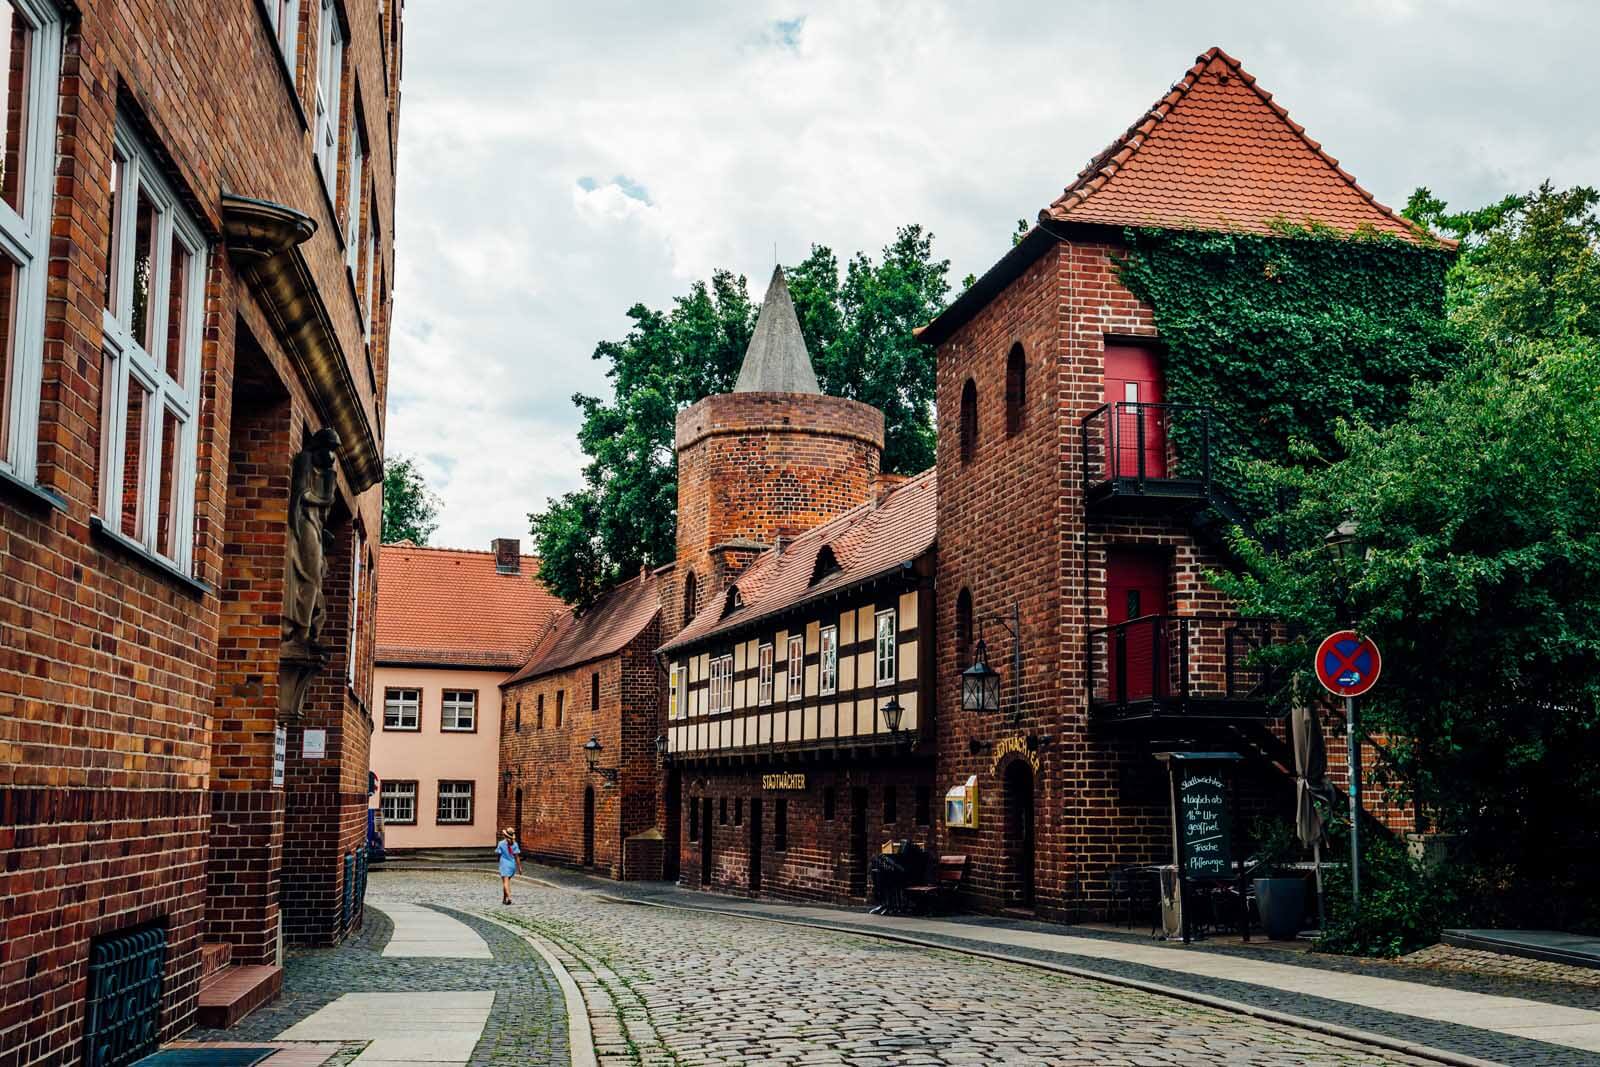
x=125, y=974
x=348, y=896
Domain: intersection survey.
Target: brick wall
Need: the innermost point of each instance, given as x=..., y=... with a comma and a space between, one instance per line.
x=1013, y=528
x=120, y=805
x=760, y=466
x=551, y=769
x=824, y=855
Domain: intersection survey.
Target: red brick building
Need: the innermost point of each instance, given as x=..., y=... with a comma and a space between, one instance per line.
x=578, y=729
x=1062, y=500
x=196, y=255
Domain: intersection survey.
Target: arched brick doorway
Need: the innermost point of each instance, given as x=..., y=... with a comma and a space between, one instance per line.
x=1019, y=831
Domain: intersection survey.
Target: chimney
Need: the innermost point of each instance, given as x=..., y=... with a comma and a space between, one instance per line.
x=507, y=555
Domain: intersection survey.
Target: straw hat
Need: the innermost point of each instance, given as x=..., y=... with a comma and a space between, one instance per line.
x=510, y=831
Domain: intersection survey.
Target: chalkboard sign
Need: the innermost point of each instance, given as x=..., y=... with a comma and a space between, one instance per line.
x=1203, y=819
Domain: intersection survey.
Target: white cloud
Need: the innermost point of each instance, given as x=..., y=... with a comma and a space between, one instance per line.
x=559, y=163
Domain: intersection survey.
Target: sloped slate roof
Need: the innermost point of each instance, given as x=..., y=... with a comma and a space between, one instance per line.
x=1218, y=153
x=867, y=541
x=604, y=629
x=776, y=360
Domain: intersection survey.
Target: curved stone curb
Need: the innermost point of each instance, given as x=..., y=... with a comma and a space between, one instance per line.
x=1236, y=1007
x=580, y=1037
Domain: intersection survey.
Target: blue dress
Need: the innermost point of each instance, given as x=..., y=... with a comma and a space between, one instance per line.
x=507, y=851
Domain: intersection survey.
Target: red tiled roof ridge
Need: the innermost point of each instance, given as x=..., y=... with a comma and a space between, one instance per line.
x=570, y=638
x=1105, y=166
x=449, y=605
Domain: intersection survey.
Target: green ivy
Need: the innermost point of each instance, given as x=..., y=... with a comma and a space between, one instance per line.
x=1281, y=335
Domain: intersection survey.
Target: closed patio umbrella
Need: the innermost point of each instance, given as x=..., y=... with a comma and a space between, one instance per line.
x=1310, y=781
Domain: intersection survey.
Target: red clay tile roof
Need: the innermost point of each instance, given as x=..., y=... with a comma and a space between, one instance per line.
x=448, y=607
x=602, y=630
x=1216, y=153
x=867, y=541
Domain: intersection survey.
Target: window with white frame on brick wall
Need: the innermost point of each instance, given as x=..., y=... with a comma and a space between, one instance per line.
x=330, y=77
x=26, y=186
x=150, y=359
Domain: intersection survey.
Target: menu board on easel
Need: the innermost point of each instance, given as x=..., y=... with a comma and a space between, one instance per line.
x=1203, y=823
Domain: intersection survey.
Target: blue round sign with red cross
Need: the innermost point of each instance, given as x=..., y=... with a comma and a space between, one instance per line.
x=1347, y=663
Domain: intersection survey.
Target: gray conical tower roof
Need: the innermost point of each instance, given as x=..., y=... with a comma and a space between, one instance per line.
x=777, y=361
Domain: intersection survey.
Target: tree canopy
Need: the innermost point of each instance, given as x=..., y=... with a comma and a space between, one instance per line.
x=857, y=325
x=1477, y=564
x=410, y=509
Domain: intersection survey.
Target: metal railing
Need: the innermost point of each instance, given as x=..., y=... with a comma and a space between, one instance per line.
x=1175, y=660
x=1133, y=444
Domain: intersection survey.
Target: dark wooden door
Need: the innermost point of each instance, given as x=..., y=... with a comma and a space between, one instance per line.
x=588, y=827
x=1133, y=381
x=858, y=841
x=705, y=840
x=1136, y=589
x=1019, y=830
x=755, y=844
x=669, y=862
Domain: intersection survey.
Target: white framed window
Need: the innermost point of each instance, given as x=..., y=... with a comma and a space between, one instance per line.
x=398, y=802
x=721, y=684
x=828, y=661
x=356, y=196
x=284, y=15
x=764, y=675
x=28, y=98
x=150, y=358
x=370, y=276
x=357, y=552
x=886, y=647
x=402, y=709
x=330, y=75
x=455, y=803
x=458, y=710
x=677, y=706
x=796, y=680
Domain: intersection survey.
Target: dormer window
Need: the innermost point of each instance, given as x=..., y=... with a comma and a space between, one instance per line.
x=827, y=563
x=732, y=601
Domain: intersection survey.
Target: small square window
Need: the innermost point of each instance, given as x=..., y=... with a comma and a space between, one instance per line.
x=402, y=709
x=455, y=803
x=459, y=711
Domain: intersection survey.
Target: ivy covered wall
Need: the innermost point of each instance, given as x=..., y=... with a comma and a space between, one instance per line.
x=1282, y=335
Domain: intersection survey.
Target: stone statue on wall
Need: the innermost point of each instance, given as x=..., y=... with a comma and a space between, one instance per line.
x=311, y=497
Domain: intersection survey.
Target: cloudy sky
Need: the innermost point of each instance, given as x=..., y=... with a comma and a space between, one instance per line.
x=560, y=161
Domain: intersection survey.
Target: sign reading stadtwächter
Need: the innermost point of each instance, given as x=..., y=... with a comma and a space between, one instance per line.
x=1203, y=824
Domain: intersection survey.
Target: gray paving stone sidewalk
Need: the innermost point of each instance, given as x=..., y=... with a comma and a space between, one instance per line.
x=695, y=988
x=527, y=1026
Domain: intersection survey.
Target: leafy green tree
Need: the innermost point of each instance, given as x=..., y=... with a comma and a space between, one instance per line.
x=1478, y=574
x=858, y=330
x=410, y=509
x=1529, y=264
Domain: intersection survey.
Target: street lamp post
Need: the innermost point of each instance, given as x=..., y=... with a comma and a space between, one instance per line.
x=1340, y=541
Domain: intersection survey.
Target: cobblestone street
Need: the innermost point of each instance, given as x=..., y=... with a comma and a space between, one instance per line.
x=672, y=987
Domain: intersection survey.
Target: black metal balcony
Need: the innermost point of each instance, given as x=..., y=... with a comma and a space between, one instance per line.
x=1146, y=458
x=1190, y=666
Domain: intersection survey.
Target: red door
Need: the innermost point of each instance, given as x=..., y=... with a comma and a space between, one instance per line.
x=1133, y=380
x=1136, y=593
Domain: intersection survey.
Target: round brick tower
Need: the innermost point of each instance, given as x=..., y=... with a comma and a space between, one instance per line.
x=771, y=459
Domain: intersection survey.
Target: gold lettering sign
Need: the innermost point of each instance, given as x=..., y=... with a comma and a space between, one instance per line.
x=783, y=781
x=1017, y=743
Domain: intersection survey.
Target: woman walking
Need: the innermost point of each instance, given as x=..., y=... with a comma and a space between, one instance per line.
x=510, y=854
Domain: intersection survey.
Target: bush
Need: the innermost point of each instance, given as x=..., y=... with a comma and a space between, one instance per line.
x=1403, y=906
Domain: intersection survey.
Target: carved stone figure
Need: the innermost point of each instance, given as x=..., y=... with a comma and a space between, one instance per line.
x=311, y=498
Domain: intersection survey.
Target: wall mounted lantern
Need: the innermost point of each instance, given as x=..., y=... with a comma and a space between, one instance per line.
x=893, y=713
x=591, y=751
x=980, y=683
x=661, y=748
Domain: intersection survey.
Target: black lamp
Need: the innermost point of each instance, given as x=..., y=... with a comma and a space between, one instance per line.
x=980, y=683
x=1341, y=539
x=891, y=716
x=591, y=749
x=661, y=747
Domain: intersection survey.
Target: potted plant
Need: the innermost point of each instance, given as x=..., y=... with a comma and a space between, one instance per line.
x=1280, y=890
